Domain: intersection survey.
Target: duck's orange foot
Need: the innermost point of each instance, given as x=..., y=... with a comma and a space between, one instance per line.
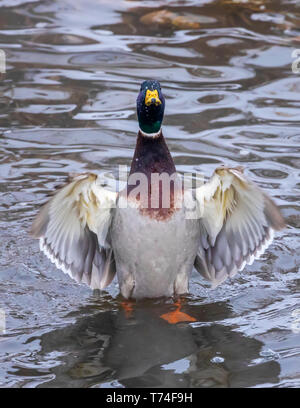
x=127, y=306
x=177, y=316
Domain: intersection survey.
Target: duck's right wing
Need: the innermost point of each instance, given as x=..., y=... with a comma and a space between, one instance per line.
x=237, y=222
x=72, y=228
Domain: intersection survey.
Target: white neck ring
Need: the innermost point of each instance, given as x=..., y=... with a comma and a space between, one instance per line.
x=151, y=135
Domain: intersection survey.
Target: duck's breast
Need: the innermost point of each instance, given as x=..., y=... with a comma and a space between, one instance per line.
x=154, y=252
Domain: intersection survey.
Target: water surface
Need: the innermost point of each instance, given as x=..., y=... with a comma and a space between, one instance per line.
x=67, y=104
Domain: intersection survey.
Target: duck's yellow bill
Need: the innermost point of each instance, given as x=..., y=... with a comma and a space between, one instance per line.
x=152, y=98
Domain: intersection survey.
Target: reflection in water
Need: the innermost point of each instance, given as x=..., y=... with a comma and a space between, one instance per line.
x=145, y=351
x=67, y=104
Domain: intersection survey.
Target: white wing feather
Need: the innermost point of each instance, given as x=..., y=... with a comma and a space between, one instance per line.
x=73, y=229
x=237, y=224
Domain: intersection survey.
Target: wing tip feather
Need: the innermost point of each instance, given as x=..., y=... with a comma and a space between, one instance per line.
x=273, y=214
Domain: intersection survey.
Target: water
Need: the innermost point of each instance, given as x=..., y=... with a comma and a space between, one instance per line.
x=68, y=105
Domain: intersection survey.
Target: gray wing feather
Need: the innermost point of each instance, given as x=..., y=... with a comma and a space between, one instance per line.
x=237, y=224
x=68, y=227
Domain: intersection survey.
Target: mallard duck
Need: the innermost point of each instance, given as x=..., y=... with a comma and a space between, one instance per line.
x=92, y=233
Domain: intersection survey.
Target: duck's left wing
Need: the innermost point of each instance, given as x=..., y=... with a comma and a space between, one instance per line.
x=237, y=222
x=72, y=228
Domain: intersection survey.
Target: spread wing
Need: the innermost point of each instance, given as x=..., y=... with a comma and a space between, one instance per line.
x=237, y=223
x=73, y=230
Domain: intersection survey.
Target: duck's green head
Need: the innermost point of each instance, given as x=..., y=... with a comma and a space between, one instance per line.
x=150, y=107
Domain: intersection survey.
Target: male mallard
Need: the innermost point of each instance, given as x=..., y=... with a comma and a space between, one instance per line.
x=92, y=233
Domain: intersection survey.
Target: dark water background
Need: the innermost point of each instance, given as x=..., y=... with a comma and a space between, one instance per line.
x=67, y=104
